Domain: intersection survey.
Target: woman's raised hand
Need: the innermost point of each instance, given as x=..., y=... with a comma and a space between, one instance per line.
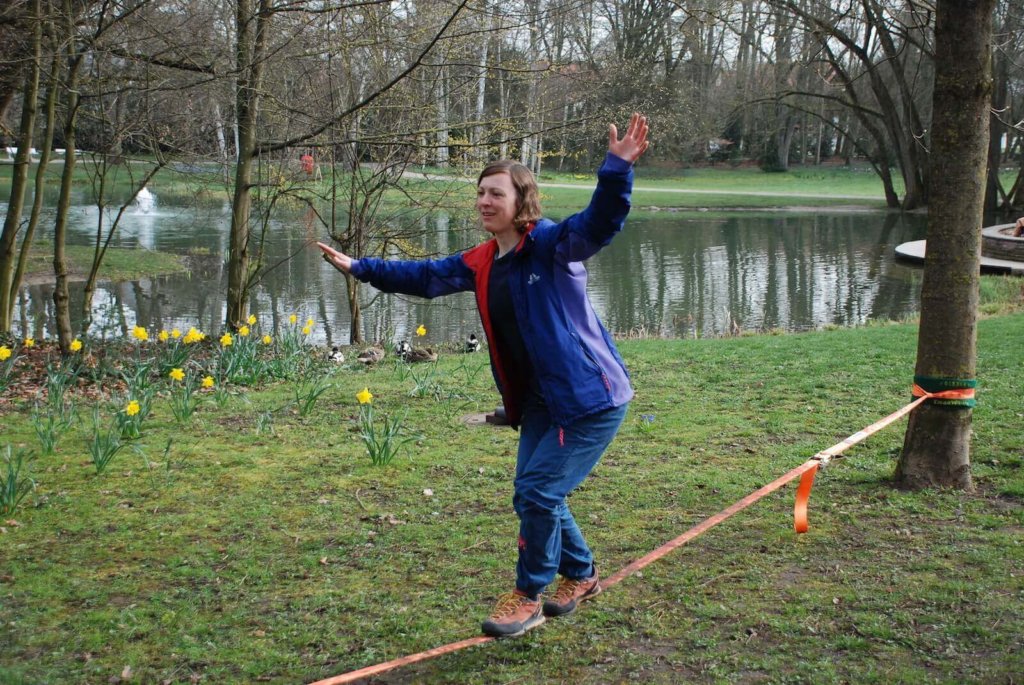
x=339, y=260
x=633, y=143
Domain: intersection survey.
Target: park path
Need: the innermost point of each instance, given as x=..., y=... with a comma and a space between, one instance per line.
x=678, y=191
x=708, y=191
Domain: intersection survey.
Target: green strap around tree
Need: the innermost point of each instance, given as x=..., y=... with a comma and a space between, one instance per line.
x=938, y=384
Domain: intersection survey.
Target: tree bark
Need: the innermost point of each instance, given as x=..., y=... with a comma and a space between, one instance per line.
x=355, y=334
x=61, y=296
x=251, y=24
x=936, y=449
x=1000, y=81
x=40, y=182
x=441, y=152
x=19, y=177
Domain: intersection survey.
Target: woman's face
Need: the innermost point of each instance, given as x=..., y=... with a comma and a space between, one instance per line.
x=497, y=203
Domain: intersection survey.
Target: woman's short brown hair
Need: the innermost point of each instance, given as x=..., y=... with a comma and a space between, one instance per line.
x=527, y=194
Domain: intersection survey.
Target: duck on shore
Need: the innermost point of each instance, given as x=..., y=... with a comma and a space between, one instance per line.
x=371, y=355
x=421, y=354
x=413, y=355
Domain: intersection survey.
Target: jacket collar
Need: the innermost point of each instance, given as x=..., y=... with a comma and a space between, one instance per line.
x=522, y=239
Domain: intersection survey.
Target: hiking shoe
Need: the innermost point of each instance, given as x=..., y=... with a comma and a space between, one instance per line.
x=570, y=593
x=513, y=615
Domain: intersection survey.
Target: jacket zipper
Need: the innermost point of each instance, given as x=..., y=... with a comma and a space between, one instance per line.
x=588, y=355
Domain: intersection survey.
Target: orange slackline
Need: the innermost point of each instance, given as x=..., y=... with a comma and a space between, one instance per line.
x=803, y=491
x=805, y=471
x=403, y=661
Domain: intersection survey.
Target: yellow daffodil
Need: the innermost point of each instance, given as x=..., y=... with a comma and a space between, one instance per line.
x=226, y=340
x=364, y=396
x=306, y=330
x=251, y=320
x=193, y=336
x=132, y=408
x=267, y=340
x=30, y=342
x=243, y=331
x=208, y=382
x=140, y=333
x=5, y=353
x=175, y=333
x=163, y=335
x=293, y=318
x=177, y=374
x=422, y=330
x=309, y=323
x=76, y=345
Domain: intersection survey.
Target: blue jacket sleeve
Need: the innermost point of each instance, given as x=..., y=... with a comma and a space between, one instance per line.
x=427, y=278
x=581, y=235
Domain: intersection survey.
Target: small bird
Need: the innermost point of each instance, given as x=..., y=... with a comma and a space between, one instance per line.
x=336, y=355
x=371, y=355
x=402, y=350
x=472, y=344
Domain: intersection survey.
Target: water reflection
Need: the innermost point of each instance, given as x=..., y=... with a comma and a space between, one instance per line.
x=697, y=275
x=674, y=274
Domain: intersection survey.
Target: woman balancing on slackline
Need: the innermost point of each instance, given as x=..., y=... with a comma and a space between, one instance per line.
x=561, y=379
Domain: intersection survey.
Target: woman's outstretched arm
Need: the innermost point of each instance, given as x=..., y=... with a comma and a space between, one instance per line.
x=423, y=278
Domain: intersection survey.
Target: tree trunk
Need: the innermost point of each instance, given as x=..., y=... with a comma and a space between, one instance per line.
x=481, y=91
x=936, y=449
x=1015, y=197
x=356, y=328
x=1000, y=81
x=19, y=177
x=40, y=182
x=61, y=296
x=905, y=123
x=251, y=29
x=441, y=152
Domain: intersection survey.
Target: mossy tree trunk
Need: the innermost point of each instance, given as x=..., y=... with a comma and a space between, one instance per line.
x=19, y=177
x=74, y=55
x=50, y=116
x=936, y=449
x=252, y=22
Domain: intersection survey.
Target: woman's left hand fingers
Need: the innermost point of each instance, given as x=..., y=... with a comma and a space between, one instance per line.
x=633, y=143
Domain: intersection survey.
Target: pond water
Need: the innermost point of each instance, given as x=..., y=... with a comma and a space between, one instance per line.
x=684, y=274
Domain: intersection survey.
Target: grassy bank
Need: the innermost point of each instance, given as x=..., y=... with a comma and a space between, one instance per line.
x=258, y=544
x=119, y=264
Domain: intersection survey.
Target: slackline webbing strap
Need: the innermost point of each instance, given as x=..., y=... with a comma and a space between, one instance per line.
x=805, y=472
x=943, y=391
x=946, y=392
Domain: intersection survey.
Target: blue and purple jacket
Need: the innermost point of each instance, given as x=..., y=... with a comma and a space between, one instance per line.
x=577, y=367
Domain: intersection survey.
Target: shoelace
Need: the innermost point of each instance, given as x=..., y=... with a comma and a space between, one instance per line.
x=566, y=589
x=507, y=604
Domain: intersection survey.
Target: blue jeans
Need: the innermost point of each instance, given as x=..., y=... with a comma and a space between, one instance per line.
x=552, y=462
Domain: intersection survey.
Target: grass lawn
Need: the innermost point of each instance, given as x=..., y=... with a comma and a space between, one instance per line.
x=253, y=543
x=119, y=264
x=722, y=186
